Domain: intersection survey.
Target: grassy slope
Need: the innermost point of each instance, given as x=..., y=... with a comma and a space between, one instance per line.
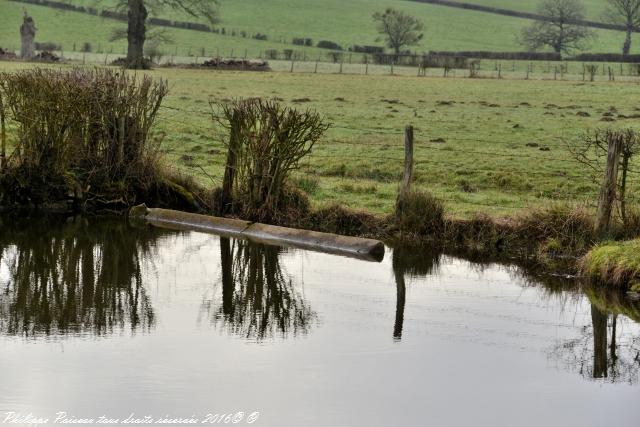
x=594, y=9
x=360, y=159
x=347, y=23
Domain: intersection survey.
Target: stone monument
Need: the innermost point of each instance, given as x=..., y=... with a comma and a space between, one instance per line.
x=27, y=35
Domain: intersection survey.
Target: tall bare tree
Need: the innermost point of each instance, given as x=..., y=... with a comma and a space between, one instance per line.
x=627, y=13
x=558, y=29
x=137, y=12
x=399, y=29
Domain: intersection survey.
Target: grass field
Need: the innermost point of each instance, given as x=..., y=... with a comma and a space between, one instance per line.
x=487, y=145
x=347, y=23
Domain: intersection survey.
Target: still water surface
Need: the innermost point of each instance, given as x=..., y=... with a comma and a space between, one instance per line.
x=100, y=318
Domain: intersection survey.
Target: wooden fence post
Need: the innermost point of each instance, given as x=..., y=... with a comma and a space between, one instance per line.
x=408, y=161
x=291, y=71
x=608, y=189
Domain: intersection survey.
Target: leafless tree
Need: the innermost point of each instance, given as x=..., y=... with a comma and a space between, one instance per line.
x=137, y=12
x=558, y=29
x=592, y=152
x=398, y=28
x=627, y=13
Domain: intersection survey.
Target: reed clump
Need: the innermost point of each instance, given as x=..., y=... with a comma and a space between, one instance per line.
x=555, y=231
x=81, y=135
x=419, y=214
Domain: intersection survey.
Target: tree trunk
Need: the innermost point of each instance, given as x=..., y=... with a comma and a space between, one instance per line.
x=136, y=34
x=623, y=188
x=626, y=47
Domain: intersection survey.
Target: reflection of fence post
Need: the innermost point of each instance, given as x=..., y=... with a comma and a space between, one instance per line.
x=608, y=189
x=408, y=161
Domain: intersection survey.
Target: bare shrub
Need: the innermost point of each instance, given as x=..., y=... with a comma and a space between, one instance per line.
x=266, y=141
x=88, y=130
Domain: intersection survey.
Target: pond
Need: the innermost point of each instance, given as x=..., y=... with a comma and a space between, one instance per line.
x=102, y=319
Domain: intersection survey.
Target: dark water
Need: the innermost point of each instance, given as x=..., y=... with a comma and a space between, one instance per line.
x=100, y=318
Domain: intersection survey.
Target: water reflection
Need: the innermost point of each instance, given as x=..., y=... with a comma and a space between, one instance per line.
x=73, y=276
x=84, y=276
x=607, y=349
x=259, y=298
x=413, y=262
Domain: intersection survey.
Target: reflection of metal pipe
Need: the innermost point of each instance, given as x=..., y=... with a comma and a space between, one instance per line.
x=355, y=247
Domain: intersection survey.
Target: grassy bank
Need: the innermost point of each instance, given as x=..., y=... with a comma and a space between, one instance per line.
x=614, y=263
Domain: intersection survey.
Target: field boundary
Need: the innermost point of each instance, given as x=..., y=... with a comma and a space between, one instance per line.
x=516, y=14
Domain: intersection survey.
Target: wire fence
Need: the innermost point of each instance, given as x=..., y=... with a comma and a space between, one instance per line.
x=565, y=178
x=361, y=64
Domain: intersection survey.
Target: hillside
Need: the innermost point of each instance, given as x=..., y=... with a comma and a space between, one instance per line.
x=594, y=8
x=346, y=23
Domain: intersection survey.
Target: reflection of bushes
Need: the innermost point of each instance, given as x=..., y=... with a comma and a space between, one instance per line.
x=259, y=300
x=73, y=278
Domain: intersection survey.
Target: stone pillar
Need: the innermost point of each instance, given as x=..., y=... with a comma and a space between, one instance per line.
x=27, y=35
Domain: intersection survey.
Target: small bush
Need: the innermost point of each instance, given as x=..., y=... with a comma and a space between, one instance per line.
x=267, y=140
x=47, y=46
x=419, y=213
x=271, y=54
x=302, y=41
x=260, y=36
x=86, y=47
x=326, y=44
